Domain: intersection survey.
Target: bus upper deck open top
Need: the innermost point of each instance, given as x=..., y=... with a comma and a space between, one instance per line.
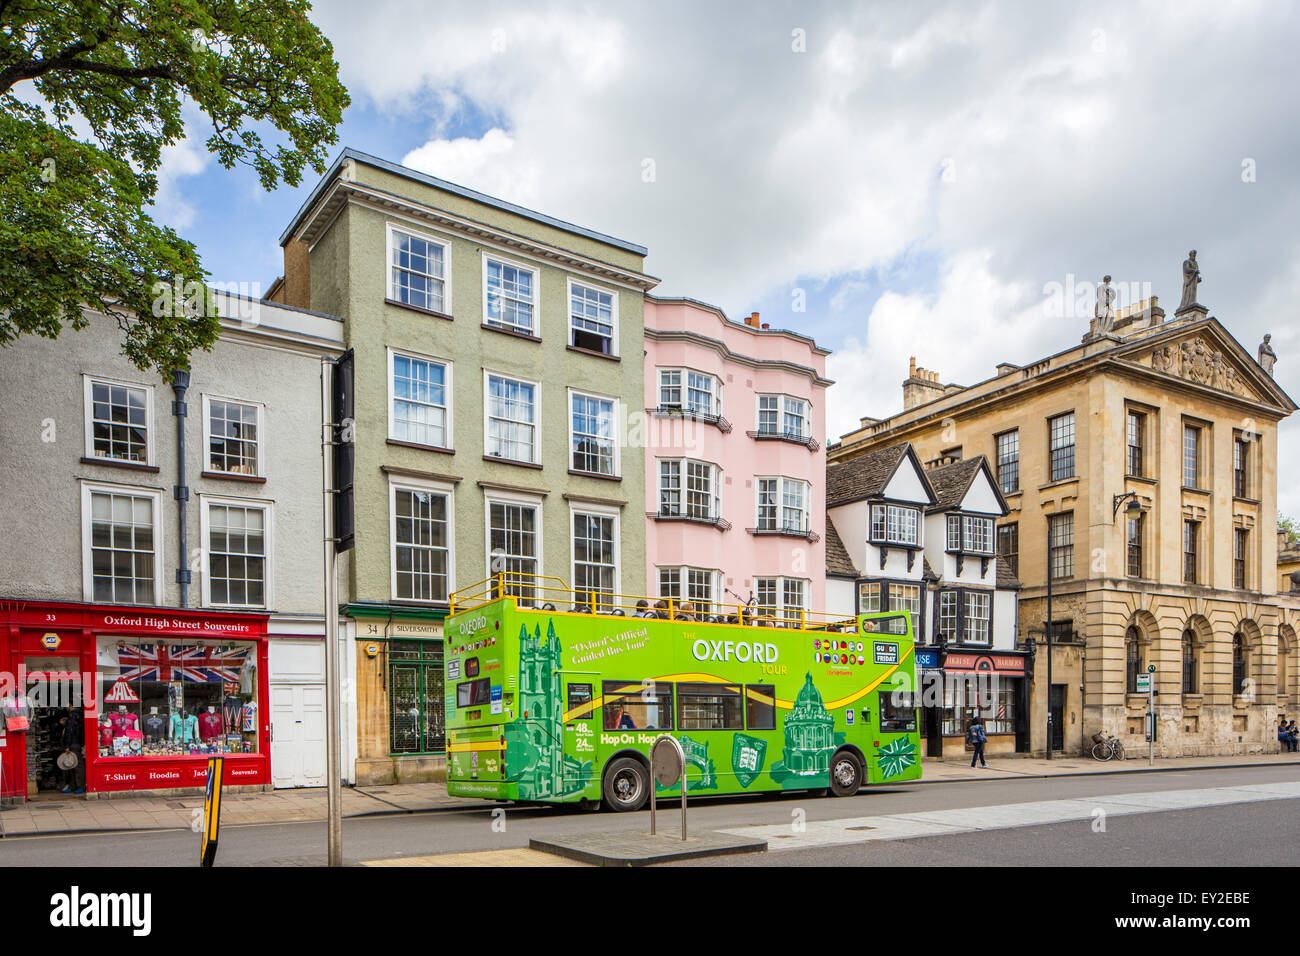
x=549, y=700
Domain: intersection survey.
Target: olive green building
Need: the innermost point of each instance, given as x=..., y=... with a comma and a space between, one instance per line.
x=498, y=365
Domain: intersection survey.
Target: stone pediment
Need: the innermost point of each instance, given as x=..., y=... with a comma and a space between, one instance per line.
x=1202, y=360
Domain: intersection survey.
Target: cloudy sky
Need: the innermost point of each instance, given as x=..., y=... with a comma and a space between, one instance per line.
x=916, y=174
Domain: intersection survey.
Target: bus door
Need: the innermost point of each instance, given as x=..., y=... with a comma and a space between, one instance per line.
x=581, y=730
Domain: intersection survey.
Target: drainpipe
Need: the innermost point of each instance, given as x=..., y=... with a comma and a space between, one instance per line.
x=181, y=491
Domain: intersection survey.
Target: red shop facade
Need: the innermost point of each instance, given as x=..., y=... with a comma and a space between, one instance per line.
x=160, y=689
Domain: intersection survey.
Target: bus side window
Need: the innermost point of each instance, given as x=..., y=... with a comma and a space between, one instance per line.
x=897, y=710
x=760, y=706
x=579, y=694
x=633, y=706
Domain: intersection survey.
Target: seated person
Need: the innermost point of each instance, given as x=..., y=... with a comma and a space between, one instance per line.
x=661, y=609
x=616, y=718
x=686, y=612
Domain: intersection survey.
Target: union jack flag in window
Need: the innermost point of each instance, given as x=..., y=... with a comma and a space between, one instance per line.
x=168, y=662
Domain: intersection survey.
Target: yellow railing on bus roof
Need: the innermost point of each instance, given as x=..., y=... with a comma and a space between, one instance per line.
x=548, y=593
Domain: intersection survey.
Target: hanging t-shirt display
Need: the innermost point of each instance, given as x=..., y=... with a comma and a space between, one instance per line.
x=185, y=728
x=210, y=726
x=250, y=717
x=121, y=723
x=155, y=726
x=232, y=709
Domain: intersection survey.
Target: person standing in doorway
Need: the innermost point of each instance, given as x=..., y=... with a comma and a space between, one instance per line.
x=75, y=776
x=976, y=737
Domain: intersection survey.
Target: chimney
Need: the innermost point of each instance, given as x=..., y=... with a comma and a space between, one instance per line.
x=766, y=326
x=752, y=321
x=921, y=386
x=297, y=275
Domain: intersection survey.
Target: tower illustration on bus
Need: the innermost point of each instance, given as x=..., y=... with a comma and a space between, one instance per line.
x=555, y=695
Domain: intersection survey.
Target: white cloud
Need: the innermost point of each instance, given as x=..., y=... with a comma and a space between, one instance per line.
x=944, y=331
x=1084, y=140
x=181, y=161
x=487, y=162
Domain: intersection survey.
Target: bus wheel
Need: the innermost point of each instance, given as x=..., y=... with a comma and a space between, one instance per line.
x=627, y=785
x=846, y=774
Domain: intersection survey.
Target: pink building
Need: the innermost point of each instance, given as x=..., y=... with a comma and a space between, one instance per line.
x=735, y=465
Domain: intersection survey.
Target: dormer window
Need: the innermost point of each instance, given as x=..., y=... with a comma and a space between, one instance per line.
x=895, y=524
x=970, y=534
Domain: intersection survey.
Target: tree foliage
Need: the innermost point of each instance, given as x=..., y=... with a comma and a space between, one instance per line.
x=91, y=91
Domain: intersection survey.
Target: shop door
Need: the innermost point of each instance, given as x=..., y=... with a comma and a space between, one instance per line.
x=1056, y=702
x=298, y=735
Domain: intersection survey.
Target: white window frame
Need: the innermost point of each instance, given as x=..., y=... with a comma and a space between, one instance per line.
x=613, y=312
x=535, y=328
x=781, y=483
x=884, y=538
x=782, y=430
x=683, y=487
x=781, y=607
x=447, y=387
x=207, y=433
x=87, y=562
x=960, y=538
x=599, y=511
x=488, y=375
x=266, y=506
x=683, y=387
x=970, y=597
x=494, y=496
x=432, y=487
x=88, y=383
x=615, y=411
x=682, y=573
x=391, y=289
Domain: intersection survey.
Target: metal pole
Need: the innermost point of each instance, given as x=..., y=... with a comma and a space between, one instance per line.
x=1151, y=717
x=683, y=765
x=181, y=491
x=1049, y=639
x=333, y=710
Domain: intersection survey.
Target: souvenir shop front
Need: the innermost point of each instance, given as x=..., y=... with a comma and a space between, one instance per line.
x=158, y=691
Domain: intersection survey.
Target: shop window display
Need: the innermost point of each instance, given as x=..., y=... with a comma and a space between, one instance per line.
x=165, y=699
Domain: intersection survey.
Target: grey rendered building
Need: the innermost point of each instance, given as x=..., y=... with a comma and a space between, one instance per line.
x=219, y=617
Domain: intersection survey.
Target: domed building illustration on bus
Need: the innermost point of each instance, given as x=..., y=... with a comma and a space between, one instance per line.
x=810, y=738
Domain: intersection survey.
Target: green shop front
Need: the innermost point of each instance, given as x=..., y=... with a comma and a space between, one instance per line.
x=401, y=731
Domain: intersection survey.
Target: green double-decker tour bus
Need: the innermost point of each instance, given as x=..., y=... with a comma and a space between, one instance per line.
x=556, y=696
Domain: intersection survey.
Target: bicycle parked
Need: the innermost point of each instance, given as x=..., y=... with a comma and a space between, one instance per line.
x=1106, y=747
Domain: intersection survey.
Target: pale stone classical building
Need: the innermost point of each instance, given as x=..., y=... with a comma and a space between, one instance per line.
x=1141, y=465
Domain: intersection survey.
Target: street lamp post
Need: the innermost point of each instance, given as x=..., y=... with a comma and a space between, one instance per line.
x=1048, y=630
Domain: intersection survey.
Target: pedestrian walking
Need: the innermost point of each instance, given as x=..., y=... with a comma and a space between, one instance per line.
x=976, y=737
x=74, y=776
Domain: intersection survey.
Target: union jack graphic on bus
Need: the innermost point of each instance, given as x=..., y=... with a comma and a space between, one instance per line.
x=168, y=662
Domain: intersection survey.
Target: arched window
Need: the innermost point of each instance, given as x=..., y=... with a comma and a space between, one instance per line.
x=1283, y=666
x=1238, y=663
x=1132, y=659
x=1189, y=661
